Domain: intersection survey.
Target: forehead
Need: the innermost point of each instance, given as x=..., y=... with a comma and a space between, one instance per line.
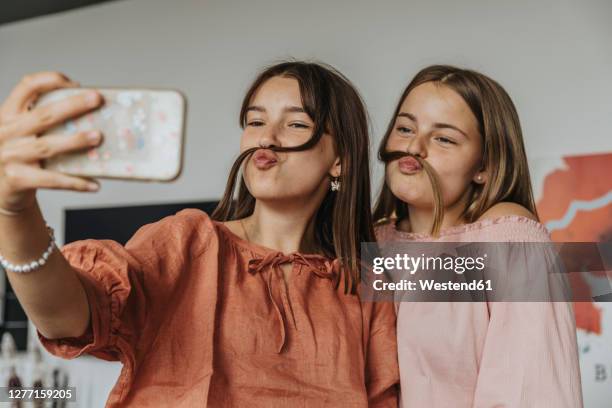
x=278, y=90
x=435, y=102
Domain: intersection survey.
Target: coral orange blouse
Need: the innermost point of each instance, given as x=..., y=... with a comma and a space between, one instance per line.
x=200, y=317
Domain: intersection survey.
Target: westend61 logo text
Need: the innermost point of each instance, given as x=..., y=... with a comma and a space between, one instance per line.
x=405, y=264
x=412, y=264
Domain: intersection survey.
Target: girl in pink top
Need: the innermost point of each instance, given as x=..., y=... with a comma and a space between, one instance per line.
x=456, y=171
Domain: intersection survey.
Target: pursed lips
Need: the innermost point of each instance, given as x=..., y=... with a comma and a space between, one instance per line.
x=264, y=159
x=409, y=165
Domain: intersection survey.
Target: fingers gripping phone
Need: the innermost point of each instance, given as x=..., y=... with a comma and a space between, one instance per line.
x=143, y=135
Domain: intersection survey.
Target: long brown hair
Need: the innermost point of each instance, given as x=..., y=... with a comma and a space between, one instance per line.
x=344, y=218
x=503, y=156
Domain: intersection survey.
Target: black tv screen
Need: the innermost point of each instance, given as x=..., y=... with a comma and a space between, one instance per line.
x=120, y=223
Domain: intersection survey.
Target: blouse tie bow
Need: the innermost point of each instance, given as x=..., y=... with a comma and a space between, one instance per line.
x=273, y=261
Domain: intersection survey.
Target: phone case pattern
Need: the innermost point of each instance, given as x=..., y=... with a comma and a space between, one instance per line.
x=142, y=136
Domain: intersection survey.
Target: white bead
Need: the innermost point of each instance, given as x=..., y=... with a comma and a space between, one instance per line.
x=33, y=265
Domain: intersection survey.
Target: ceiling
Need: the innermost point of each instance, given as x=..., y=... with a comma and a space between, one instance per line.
x=11, y=11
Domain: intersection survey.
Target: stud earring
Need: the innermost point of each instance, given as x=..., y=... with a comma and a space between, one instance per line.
x=335, y=184
x=479, y=178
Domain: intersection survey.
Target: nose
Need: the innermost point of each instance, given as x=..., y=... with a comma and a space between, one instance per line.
x=269, y=138
x=417, y=146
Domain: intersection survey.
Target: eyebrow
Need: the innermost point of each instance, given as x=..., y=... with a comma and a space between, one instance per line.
x=290, y=109
x=436, y=125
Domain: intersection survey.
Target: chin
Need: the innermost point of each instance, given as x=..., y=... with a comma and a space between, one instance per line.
x=267, y=189
x=413, y=195
x=263, y=191
x=280, y=194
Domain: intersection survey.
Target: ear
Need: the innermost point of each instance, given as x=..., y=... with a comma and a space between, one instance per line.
x=480, y=177
x=336, y=169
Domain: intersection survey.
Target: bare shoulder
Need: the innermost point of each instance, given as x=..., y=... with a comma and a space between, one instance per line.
x=507, y=208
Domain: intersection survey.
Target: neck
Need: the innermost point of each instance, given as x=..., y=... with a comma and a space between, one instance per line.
x=284, y=228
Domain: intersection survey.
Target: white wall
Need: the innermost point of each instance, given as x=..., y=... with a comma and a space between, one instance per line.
x=554, y=58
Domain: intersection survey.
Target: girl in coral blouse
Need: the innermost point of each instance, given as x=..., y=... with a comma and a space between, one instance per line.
x=255, y=306
x=456, y=171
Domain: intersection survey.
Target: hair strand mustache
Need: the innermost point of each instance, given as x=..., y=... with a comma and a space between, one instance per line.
x=434, y=180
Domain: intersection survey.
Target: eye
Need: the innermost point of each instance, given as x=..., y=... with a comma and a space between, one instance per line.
x=255, y=122
x=404, y=130
x=445, y=140
x=299, y=125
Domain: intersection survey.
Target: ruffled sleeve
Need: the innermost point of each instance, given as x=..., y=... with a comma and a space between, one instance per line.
x=507, y=228
x=382, y=370
x=128, y=286
x=530, y=355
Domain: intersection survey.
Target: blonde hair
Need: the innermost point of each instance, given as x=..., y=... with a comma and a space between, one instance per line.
x=503, y=156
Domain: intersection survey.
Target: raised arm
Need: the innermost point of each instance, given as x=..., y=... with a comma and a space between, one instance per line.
x=52, y=295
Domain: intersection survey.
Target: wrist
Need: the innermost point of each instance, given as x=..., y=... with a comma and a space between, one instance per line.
x=34, y=264
x=14, y=211
x=11, y=213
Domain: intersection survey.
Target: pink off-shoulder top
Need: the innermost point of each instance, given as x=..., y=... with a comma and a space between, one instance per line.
x=486, y=355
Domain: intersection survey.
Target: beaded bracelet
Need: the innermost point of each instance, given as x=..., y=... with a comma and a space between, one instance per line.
x=31, y=266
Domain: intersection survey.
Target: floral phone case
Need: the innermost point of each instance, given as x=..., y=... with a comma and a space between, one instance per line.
x=143, y=135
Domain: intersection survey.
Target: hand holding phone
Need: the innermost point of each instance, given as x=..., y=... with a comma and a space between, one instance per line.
x=21, y=151
x=143, y=135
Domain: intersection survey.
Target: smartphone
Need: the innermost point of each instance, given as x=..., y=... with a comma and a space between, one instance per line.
x=143, y=135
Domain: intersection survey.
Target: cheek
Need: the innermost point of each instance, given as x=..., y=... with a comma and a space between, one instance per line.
x=247, y=139
x=318, y=160
x=300, y=174
x=454, y=175
x=395, y=143
x=410, y=189
x=456, y=171
x=309, y=166
x=457, y=163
